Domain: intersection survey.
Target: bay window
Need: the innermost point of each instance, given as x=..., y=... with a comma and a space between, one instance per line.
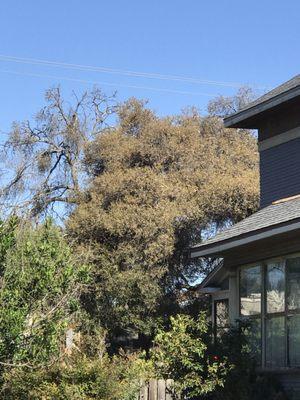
x=269, y=295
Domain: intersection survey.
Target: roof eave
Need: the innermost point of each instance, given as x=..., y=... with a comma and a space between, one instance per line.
x=247, y=118
x=218, y=248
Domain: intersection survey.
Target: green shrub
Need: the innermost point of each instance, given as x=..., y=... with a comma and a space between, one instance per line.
x=182, y=353
x=40, y=289
x=205, y=368
x=77, y=378
x=242, y=381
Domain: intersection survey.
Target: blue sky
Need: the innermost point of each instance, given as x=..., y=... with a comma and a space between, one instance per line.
x=235, y=41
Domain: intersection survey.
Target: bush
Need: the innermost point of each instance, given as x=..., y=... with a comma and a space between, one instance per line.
x=242, y=381
x=79, y=378
x=40, y=288
x=87, y=373
x=183, y=353
x=208, y=369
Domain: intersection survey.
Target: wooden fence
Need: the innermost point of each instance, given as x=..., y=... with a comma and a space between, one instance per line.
x=156, y=389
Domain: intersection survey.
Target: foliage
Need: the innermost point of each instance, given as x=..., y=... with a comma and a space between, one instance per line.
x=183, y=354
x=41, y=285
x=40, y=288
x=208, y=368
x=242, y=381
x=145, y=190
x=158, y=183
x=141, y=192
x=82, y=376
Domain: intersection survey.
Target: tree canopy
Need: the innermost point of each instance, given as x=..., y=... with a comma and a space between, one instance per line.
x=140, y=189
x=157, y=184
x=143, y=189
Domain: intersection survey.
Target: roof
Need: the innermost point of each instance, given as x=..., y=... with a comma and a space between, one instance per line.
x=281, y=94
x=272, y=218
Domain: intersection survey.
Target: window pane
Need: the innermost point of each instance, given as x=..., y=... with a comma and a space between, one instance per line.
x=294, y=340
x=250, y=290
x=275, y=288
x=253, y=335
x=275, y=342
x=221, y=317
x=293, y=283
x=221, y=313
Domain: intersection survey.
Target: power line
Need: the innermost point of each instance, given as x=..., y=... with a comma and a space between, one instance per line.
x=107, y=83
x=147, y=75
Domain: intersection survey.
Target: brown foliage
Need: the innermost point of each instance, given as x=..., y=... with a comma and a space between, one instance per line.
x=162, y=182
x=142, y=191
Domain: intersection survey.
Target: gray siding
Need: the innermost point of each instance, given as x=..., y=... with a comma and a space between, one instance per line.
x=280, y=172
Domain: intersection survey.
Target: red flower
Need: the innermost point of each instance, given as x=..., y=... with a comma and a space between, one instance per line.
x=215, y=358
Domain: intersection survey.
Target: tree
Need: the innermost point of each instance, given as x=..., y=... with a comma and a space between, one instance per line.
x=49, y=348
x=41, y=284
x=223, y=106
x=142, y=191
x=44, y=158
x=162, y=182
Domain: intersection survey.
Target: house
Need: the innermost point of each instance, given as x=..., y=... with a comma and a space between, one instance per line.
x=259, y=277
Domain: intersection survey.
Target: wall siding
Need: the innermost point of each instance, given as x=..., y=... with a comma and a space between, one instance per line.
x=280, y=172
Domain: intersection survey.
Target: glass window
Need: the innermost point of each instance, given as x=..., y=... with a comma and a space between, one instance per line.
x=275, y=287
x=221, y=313
x=253, y=334
x=250, y=290
x=293, y=283
x=279, y=316
x=275, y=341
x=294, y=340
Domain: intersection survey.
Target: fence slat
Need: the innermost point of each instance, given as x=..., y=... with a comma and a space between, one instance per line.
x=153, y=389
x=161, y=389
x=156, y=389
x=169, y=383
x=144, y=391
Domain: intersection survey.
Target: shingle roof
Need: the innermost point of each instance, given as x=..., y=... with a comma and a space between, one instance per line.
x=268, y=217
x=291, y=84
x=281, y=93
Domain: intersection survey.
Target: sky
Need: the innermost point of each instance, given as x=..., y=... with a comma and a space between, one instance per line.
x=198, y=49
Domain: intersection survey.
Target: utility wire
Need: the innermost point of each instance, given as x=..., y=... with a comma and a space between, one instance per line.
x=107, y=70
x=107, y=83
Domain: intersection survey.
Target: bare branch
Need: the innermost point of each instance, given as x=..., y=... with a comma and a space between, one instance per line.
x=45, y=158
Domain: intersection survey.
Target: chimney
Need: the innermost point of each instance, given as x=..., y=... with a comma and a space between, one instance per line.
x=276, y=116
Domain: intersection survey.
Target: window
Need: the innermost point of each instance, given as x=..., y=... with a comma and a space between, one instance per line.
x=221, y=317
x=293, y=310
x=270, y=298
x=275, y=310
x=275, y=288
x=250, y=291
x=250, y=305
x=293, y=283
x=275, y=342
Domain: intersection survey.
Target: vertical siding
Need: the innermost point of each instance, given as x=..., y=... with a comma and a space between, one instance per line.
x=280, y=172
